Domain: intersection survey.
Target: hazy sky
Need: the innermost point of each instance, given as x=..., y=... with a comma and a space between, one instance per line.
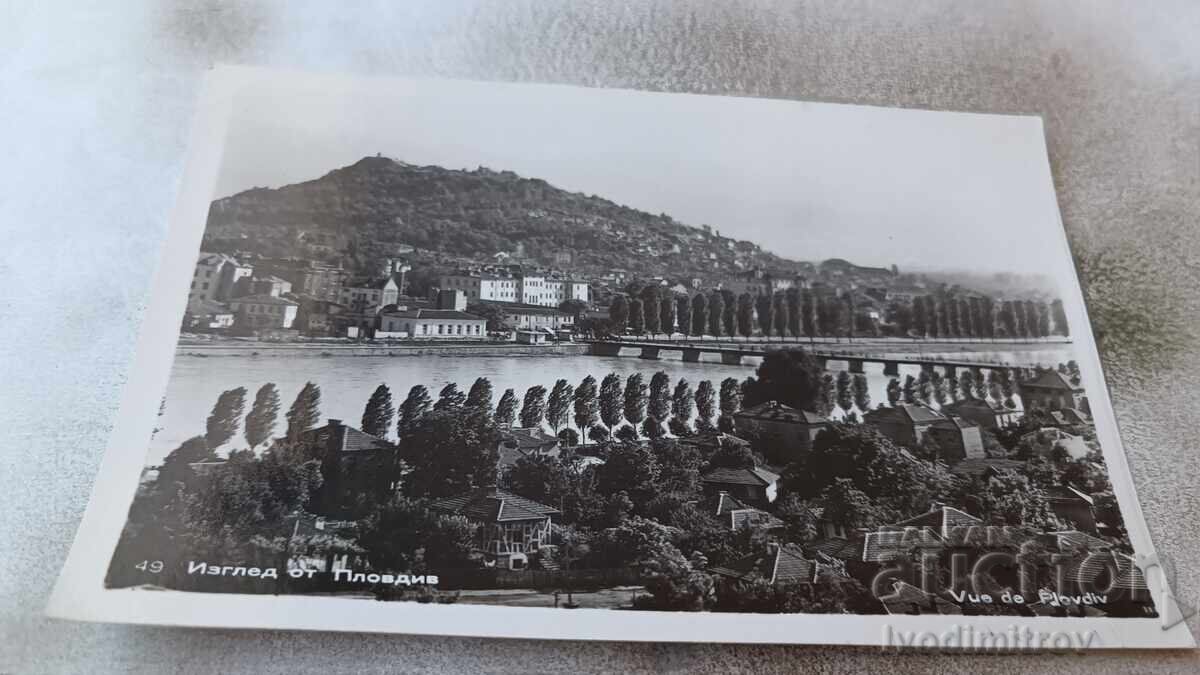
x=805, y=180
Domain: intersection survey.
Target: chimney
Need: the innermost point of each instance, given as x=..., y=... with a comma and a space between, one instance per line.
x=334, y=423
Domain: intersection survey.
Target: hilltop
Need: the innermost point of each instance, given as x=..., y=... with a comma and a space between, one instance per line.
x=367, y=210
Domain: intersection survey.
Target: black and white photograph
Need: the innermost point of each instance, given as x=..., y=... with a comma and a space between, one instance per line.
x=444, y=343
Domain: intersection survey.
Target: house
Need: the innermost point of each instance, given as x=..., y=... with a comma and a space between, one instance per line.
x=780, y=564
x=708, y=443
x=903, y=423
x=370, y=295
x=264, y=285
x=957, y=439
x=215, y=276
x=431, y=324
x=206, y=315
x=264, y=311
x=926, y=532
x=756, y=486
x=908, y=599
x=986, y=467
x=532, y=337
x=509, y=527
x=1072, y=506
x=736, y=514
x=1051, y=390
x=1069, y=417
x=354, y=464
x=987, y=414
x=520, y=442
x=533, y=317
x=1044, y=440
x=781, y=426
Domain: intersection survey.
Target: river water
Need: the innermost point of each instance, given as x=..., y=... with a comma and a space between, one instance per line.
x=347, y=381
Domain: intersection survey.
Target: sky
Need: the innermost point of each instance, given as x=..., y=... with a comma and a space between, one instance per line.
x=807, y=181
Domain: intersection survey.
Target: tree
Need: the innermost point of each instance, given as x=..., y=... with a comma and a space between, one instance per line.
x=587, y=404
x=850, y=507
x=378, y=413
x=730, y=402
x=683, y=314
x=260, y=423
x=920, y=322
x=497, y=318
x=660, y=398
x=894, y=392
x=650, y=310
x=1058, y=317
x=681, y=408
x=910, y=389
x=450, y=451
x=706, y=405
x=729, y=312
x=618, y=314
x=568, y=437
x=666, y=314
x=414, y=407
x=222, y=423
x=612, y=395
x=938, y=387
x=845, y=396
x=862, y=394
x=966, y=384
x=699, y=314
x=794, y=323
x=637, y=317
x=924, y=386
x=558, y=408
x=979, y=382
x=635, y=400
x=808, y=311
x=745, y=315
x=543, y=479
x=781, y=314
x=404, y=534
x=480, y=395
x=765, y=311
x=826, y=396
x=305, y=411
x=1010, y=499
x=716, y=313
x=533, y=407
x=791, y=377
x=450, y=398
x=630, y=468
x=506, y=409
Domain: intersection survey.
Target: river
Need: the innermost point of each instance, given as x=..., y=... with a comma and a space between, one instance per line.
x=347, y=381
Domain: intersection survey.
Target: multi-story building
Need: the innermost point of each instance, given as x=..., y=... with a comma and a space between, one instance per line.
x=492, y=287
x=264, y=311
x=533, y=317
x=370, y=295
x=431, y=324
x=215, y=276
x=508, y=527
x=526, y=289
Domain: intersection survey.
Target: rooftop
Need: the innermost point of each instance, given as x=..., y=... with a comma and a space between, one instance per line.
x=263, y=299
x=726, y=476
x=493, y=505
x=777, y=412
x=423, y=313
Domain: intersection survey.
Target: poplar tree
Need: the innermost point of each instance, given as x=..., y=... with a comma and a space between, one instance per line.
x=781, y=314
x=682, y=401
x=730, y=402
x=716, y=313
x=533, y=407
x=845, y=397
x=450, y=398
x=894, y=392
x=260, y=423
x=305, y=411
x=378, y=413
x=650, y=310
x=226, y=415
x=666, y=314
x=745, y=315
x=414, y=407
x=558, y=408
x=699, y=314
x=763, y=308
x=706, y=405
x=506, y=409
x=480, y=395
x=659, y=407
x=611, y=401
x=729, y=315
x=587, y=405
x=635, y=401
x=862, y=394
x=683, y=314
x=637, y=316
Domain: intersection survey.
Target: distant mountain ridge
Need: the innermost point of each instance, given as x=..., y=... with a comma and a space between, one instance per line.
x=365, y=211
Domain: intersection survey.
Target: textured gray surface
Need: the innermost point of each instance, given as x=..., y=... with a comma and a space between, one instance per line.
x=96, y=103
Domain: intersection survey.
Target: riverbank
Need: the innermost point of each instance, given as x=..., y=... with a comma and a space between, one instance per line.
x=217, y=348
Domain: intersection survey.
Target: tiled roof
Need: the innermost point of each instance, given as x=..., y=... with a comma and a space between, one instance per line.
x=493, y=505
x=1067, y=493
x=352, y=440
x=905, y=598
x=940, y=518
x=842, y=549
x=957, y=406
x=263, y=299
x=980, y=465
x=906, y=413
x=1074, y=539
x=750, y=517
x=720, y=504
x=774, y=411
x=1126, y=573
x=782, y=565
x=887, y=545
x=956, y=423
x=1051, y=379
x=726, y=476
x=435, y=314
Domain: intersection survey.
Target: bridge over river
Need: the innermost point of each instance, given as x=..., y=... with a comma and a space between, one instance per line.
x=972, y=354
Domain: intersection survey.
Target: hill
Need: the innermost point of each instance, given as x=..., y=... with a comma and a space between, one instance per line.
x=364, y=212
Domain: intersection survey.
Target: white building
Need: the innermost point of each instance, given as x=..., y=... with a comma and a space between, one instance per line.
x=370, y=296
x=431, y=324
x=482, y=286
x=522, y=289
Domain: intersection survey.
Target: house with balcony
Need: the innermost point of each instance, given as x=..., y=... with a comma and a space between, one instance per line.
x=509, y=528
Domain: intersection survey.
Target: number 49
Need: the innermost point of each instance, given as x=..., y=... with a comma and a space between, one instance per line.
x=153, y=566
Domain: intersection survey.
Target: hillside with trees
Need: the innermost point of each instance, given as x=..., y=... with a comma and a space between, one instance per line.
x=368, y=209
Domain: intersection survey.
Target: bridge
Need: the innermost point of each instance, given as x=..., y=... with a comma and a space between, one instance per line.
x=732, y=353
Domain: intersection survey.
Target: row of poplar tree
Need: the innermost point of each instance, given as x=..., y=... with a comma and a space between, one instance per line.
x=797, y=312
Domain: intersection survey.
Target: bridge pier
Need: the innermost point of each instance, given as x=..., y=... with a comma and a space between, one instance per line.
x=891, y=368
x=606, y=349
x=855, y=365
x=691, y=356
x=649, y=353
x=731, y=359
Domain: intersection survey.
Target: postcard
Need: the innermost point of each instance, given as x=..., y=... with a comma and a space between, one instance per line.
x=539, y=361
